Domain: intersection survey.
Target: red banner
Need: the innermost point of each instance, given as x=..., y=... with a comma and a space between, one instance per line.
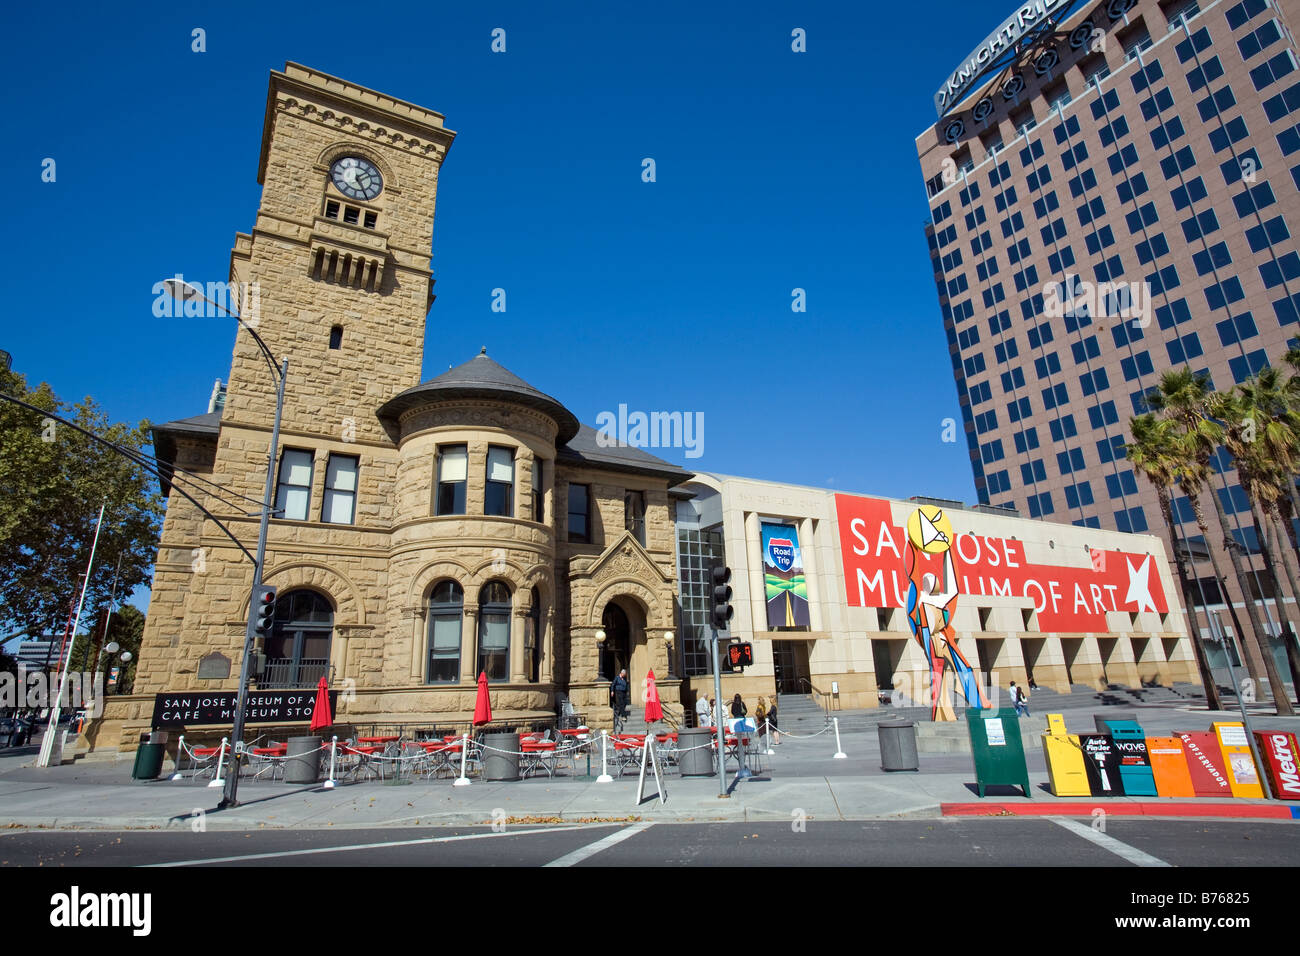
x=1067, y=599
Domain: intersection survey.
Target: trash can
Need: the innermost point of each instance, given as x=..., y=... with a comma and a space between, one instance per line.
x=694, y=756
x=148, y=760
x=898, y=745
x=500, y=756
x=303, y=763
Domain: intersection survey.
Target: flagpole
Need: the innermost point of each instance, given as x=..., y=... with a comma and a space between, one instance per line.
x=47, y=745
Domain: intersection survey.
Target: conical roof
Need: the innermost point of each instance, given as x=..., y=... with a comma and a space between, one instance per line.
x=481, y=377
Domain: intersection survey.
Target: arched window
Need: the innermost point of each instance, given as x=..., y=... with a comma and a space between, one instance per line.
x=446, y=606
x=533, y=638
x=494, y=631
x=298, y=647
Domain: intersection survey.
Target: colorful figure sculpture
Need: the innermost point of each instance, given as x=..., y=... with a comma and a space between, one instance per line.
x=931, y=606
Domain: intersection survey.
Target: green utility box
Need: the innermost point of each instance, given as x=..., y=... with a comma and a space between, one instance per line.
x=995, y=744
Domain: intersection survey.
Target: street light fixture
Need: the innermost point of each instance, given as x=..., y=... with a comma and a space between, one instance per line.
x=184, y=291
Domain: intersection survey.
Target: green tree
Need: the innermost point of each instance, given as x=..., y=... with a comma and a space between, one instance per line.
x=52, y=482
x=1262, y=433
x=1182, y=397
x=1154, y=452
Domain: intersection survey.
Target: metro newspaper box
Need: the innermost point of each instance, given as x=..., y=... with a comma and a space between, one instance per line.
x=1134, y=761
x=1279, y=750
x=995, y=745
x=1065, y=771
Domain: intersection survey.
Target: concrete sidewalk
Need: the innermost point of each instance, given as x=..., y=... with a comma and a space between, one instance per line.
x=801, y=780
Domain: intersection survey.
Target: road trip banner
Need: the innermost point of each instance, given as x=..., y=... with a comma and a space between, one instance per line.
x=1067, y=599
x=784, y=587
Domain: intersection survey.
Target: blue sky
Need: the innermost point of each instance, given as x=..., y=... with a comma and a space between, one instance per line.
x=775, y=171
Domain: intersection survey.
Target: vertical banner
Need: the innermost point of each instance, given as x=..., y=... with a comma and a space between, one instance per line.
x=784, y=586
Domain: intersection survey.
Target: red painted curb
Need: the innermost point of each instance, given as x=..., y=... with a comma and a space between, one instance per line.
x=1125, y=809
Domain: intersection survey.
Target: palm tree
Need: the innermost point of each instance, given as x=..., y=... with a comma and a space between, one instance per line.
x=1154, y=452
x=1258, y=433
x=1182, y=396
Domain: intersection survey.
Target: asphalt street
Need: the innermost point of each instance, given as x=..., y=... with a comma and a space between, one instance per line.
x=972, y=842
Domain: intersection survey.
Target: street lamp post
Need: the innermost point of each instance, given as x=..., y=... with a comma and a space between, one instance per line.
x=185, y=291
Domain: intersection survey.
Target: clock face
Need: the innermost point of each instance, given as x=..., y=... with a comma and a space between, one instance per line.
x=356, y=178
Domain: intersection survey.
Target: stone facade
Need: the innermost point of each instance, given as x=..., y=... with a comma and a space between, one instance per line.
x=366, y=288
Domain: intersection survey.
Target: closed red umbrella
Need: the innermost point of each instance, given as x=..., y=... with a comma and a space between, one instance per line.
x=653, y=708
x=320, y=714
x=482, y=706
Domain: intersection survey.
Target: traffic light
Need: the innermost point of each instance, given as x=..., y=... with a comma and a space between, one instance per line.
x=740, y=656
x=263, y=610
x=722, y=609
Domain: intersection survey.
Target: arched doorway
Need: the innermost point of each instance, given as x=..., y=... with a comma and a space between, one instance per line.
x=298, y=647
x=624, y=623
x=616, y=651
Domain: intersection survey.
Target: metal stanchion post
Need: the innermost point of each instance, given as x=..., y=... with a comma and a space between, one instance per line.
x=839, y=750
x=180, y=752
x=462, y=780
x=218, y=781
x=604, y=759
x=334, y=746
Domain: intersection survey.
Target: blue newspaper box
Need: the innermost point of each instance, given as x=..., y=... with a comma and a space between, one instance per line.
x=1134, y=761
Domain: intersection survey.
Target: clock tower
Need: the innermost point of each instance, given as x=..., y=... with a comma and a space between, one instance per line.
x=339, y=255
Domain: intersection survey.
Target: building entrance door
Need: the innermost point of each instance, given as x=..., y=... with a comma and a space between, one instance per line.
x=790, y=660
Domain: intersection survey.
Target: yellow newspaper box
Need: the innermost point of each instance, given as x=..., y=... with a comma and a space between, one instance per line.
x=1065, y=769
x=1243, y=776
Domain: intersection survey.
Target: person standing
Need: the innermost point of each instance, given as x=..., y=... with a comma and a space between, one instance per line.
x=702, y=718
x=771, y=722
x=738, y=708
x=621, y=689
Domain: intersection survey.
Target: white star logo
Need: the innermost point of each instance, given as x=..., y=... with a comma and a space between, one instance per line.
x=1139, y=585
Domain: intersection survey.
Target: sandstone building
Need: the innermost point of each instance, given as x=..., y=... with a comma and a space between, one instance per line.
x=423, y=532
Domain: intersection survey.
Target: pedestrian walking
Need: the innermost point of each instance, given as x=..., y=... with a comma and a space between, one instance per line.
x=1016, y=694
x=1023, y=709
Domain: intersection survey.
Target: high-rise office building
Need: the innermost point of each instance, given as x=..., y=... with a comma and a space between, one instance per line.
x=1115, y=191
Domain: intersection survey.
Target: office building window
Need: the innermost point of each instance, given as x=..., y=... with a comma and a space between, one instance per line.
x=494, y=631
x=293, y=493
x=539, y=493
x=446, y=607
x=340, y=490
x=634, y=514
x=453, y=467
x=580, y=513
x=500, y=491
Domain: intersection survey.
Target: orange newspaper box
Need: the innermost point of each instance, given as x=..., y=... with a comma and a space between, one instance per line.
x=1243, y=775
x=1169, y=767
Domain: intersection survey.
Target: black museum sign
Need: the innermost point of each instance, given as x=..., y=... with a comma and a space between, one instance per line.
x=262, y=707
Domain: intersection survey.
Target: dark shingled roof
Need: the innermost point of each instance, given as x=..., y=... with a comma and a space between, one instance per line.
x=166, y=434
x=585, y=449
x=481, y=377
